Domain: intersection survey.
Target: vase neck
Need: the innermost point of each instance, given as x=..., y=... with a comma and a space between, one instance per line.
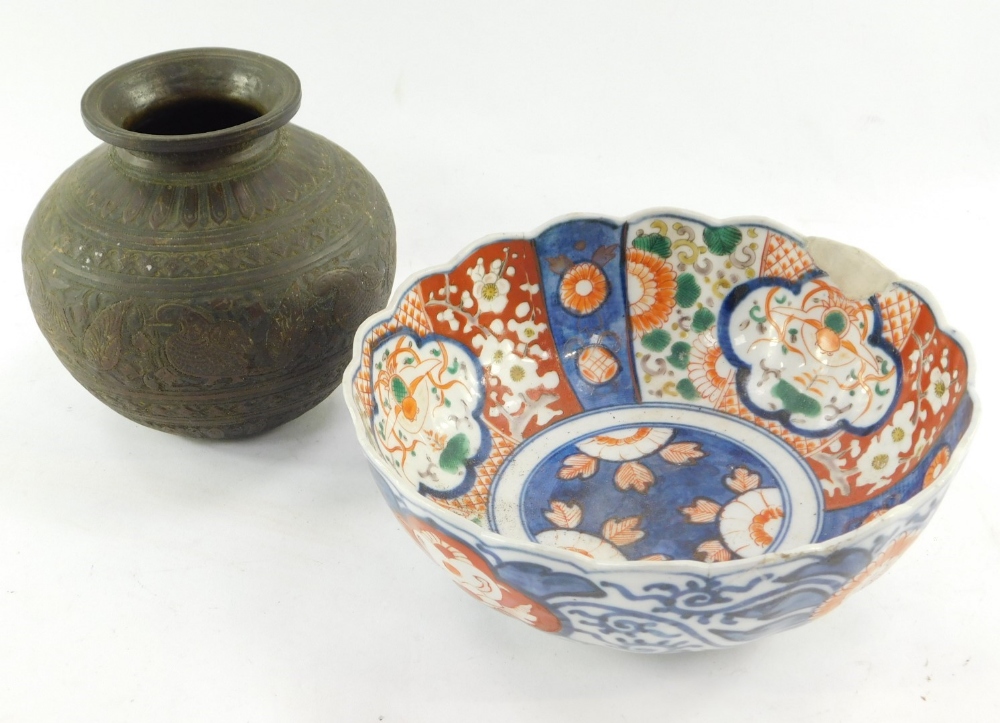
x=191, y=108
x=226, y=156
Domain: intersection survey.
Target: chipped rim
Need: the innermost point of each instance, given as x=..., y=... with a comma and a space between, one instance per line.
x=493, y=539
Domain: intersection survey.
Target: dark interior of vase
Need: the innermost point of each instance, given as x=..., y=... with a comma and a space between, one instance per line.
x=191, y=101
x=188, y=115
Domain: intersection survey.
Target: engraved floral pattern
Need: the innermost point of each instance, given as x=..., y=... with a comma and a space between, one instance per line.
x=105, y=251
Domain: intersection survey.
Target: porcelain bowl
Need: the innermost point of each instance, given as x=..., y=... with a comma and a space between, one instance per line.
x=663, y=433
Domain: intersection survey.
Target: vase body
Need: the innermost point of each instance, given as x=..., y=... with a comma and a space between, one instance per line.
x=210, y=288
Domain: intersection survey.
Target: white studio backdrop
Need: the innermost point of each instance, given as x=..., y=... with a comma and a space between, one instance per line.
x=146, y=577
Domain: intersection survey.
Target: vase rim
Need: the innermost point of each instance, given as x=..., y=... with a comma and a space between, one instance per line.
x=226, y=75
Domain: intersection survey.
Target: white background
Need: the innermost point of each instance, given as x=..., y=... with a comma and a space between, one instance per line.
x=146, y=577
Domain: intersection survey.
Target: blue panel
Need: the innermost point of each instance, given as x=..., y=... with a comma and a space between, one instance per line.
x=584, y=283
x=666, y=530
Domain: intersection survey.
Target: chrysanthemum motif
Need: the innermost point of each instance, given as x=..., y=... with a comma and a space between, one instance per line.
x=622, y=445
x=583, y=288
x=708, y=368
x=748, y=524
x=582, y=544
x=652, y=284
x=937, y=466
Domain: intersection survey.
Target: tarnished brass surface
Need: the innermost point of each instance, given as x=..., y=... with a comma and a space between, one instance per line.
x=211, y=292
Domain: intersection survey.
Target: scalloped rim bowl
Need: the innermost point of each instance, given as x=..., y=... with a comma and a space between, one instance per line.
x=691, y=433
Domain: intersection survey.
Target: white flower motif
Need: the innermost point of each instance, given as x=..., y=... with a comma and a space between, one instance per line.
x=750, y=523
x=622, y=445
x=938, y=389
x=448, y=316
x=519, y=374
x=492, y=351
x=880, y=461
x=527, y=331
x=489, y=287
x=581, y=543
x=539, y=351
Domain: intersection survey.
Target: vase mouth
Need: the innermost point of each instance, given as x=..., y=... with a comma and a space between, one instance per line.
x=193, y=100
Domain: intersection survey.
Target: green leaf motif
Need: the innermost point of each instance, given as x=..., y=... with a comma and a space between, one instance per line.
x=399, y=390
x=455, y=454
x=721, y=240
x=686, y=389
x=703, y=319
x=654, y=243
x=688, y=290
x=656, y=340
x=680, y=352
x=795, y=401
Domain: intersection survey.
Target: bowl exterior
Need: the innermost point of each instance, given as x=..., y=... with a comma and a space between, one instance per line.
x=660, y=607
x=665, y=432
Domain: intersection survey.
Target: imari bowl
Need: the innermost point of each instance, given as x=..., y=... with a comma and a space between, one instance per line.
x=665, y=433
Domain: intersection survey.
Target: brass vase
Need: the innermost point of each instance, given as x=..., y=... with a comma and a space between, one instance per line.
x=203, y=272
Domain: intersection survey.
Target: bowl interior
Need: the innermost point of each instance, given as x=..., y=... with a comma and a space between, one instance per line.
x=665, y=387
